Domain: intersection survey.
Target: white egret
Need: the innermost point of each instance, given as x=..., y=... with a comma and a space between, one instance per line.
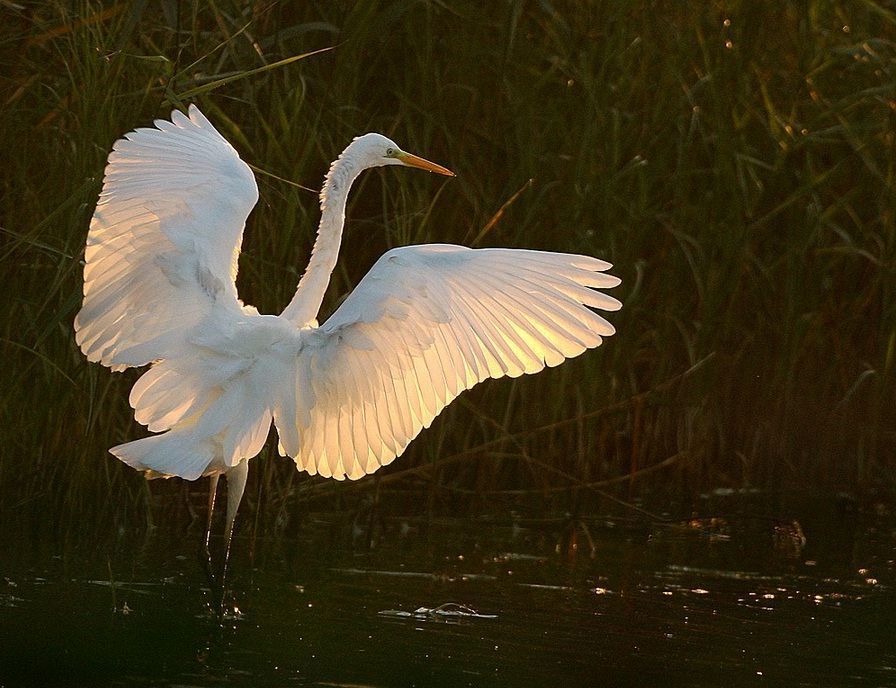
x=346, y=397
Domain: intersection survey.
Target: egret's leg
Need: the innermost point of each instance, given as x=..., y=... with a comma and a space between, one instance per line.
x=206, y=554
x=236, y=484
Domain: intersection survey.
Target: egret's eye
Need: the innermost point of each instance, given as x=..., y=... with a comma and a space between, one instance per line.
x=390, y=152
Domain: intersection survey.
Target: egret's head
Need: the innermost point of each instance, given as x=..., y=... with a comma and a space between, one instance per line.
x=375, y=150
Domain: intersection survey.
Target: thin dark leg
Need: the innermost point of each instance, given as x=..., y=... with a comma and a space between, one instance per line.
x=236, y=484
x=205, y=553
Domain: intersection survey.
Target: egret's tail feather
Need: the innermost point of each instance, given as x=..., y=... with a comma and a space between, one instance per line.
x=175, y=452
x=232, y=427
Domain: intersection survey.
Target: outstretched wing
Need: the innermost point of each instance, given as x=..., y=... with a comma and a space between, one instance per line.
x=425, y=324
x=163, y=244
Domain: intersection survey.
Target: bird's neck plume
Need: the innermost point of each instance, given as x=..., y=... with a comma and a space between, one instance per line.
x=310, y=294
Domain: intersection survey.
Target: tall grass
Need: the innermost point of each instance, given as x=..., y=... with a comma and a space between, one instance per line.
x=735, y=161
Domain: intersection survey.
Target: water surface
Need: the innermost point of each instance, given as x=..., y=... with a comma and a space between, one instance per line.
x=734, y=600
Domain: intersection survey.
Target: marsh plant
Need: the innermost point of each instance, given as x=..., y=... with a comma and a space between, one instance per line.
x=735, y=162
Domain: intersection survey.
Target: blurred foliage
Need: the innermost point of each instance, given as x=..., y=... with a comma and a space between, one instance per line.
x=735, y=162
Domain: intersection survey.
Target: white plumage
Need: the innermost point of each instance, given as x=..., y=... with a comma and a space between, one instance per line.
x=426, y=323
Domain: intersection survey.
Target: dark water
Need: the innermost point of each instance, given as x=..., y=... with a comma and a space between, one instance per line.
x=736, y=600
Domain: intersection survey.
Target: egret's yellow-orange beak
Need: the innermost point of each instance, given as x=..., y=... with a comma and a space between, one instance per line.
x=414, y=161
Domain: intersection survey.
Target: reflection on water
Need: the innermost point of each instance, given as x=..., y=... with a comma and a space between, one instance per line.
x=499, y=602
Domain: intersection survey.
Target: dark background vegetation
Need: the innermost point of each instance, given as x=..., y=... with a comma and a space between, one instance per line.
x=735, y=161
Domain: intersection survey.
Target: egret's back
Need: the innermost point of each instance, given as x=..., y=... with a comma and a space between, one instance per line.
x=216, y=402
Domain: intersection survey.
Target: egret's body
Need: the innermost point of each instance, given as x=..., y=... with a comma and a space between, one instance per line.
x=426, y=323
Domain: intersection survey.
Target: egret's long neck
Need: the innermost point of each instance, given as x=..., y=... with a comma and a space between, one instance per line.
x=310, y=294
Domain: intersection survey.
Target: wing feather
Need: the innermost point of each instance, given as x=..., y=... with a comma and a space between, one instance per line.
x=163, y=243
x=425, y=324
